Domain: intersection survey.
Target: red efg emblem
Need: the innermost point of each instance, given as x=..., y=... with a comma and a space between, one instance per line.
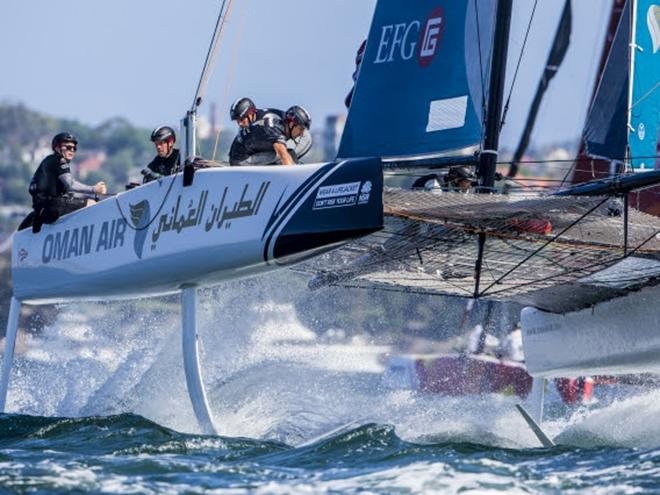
x=430, y=35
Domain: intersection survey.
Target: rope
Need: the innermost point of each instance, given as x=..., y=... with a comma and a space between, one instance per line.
x=645, y=95
x=230, y=75
x=550, y=241
x=209, y=61
x=121, y=213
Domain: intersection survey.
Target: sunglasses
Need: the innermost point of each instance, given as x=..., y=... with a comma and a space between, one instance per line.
x=69, y=147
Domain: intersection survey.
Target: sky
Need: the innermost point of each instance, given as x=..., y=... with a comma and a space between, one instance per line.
x=141, y=59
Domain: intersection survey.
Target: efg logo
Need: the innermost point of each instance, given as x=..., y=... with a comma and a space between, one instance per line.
x=430, y=38
x=404, y=40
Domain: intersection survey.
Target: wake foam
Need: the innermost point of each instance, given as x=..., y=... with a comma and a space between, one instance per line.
x=270, y=377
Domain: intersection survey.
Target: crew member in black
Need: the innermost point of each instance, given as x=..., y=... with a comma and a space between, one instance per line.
x=166, y=161
x=458, y=179
x=259, y=132
x=54, y=190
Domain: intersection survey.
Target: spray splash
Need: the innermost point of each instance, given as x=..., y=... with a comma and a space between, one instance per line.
x=269, y=376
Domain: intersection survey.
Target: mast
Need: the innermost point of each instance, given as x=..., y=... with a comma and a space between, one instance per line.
x=488, y=158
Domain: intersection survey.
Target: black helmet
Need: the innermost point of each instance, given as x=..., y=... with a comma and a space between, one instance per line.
x=241, y=108
x=63, y=137
x=299, y=116
x=163, y=133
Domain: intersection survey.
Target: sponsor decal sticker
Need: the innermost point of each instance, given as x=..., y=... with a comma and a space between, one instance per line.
x=186, y=213
x=365, y=192
x=83, y=240
x=339, y=195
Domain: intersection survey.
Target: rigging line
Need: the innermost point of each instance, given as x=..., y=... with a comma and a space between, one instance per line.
x=515, y=74
x=230, y=73
x=571, y=160
x=571, y=225
x=162, y=203
x=529, y=161
x=406, y=290
x=434, y=239
x=396, y=254
x=414, y=277
x=646, y=241
x=644, y=96
x=570, y=172
x=211, y=54
x=461, y=230
x=481, y=78
x=577, y=272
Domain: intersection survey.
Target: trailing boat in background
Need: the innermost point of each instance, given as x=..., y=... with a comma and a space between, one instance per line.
x=623, y=127
x=589, y=167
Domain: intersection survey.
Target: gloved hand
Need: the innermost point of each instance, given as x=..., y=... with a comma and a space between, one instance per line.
x=149, y=175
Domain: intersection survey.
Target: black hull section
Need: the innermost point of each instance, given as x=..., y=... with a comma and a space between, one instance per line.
x=346, y=205
x=299, y=247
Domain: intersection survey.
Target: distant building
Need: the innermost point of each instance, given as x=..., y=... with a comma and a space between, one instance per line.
x=332, y=131
x=36, y=153
x=91, y=164
x=558, y=154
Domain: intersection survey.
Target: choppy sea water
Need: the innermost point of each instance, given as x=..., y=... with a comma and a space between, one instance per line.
x=98, y=403
x=130, y=454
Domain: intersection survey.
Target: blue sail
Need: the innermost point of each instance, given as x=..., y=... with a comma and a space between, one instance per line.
x=421, y=81
x=605, y=133
x=645, y=107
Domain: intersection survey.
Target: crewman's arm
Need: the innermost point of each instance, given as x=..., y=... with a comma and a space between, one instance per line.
x=283, y=153
x=72, y=185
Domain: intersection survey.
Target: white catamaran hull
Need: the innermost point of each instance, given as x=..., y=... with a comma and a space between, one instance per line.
x=615, y=337
x=230, y=222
